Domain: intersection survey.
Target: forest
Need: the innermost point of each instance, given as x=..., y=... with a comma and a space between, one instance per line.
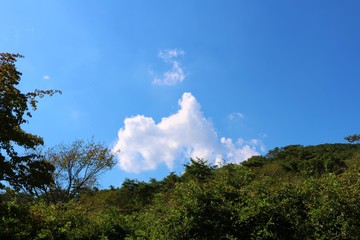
x=292, y=192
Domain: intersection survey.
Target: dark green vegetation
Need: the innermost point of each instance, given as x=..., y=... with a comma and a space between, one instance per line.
x=294, y=192
x=21, y=171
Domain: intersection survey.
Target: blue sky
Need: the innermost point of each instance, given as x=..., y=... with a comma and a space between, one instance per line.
x=165, y=80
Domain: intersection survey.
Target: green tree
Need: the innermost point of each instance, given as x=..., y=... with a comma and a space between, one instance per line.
x=198, y=169
x=15, y=221
x=353, y=138
x=77, y=168
x=73, y=221
x=16, y=169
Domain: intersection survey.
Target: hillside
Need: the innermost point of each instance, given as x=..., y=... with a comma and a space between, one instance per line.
x=294, y=192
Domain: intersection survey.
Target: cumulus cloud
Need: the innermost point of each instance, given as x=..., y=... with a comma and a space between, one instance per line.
x=144, y=144
x=176, y=74
x=241, y=150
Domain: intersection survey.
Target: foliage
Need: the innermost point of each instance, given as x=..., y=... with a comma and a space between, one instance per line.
x=307, y=161
x=263, y=198
x=260, y=201
x=15, y=169
x=15, y=221
x=198, y=169
x=77, y=168
x=353, y=138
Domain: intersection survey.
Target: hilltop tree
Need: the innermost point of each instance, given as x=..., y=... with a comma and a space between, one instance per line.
x=198, y=169
x=19, y=169
x=353, y=138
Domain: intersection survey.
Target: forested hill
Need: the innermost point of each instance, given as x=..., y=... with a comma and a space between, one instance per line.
x=306, y=161
x=294, y=192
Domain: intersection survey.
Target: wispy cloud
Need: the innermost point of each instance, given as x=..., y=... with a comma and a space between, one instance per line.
x=236, y=116
x=143, y=144
x=169, y=54
x=176, y=74
x=46, y=77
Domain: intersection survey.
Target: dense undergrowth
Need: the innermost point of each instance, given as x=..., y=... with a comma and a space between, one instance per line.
x=294, y=192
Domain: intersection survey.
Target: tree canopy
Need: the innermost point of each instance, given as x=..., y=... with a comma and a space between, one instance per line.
x=77, y=168
x=353, y=138
x=19, y=169
x=293, y=192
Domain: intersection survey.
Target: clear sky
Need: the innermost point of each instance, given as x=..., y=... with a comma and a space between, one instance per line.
x=166, y=80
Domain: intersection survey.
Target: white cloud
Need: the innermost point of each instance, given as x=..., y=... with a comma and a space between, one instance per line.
x=176, y=74
x=168, y=54
x=46, y=77
x=143, y=144
x=171, y=77
x=236, y=116
x=241, y=150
